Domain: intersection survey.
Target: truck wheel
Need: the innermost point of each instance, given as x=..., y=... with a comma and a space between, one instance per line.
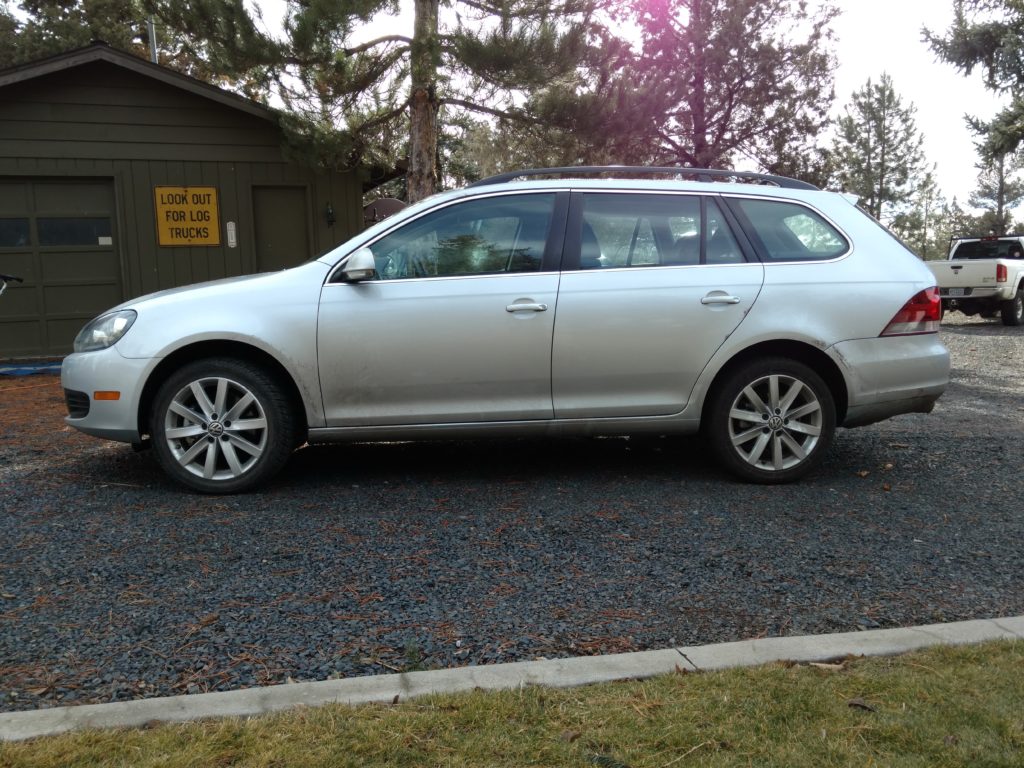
x=1013, y=310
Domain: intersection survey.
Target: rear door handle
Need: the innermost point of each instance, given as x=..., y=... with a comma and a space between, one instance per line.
x=720, y=298
x=525, y=307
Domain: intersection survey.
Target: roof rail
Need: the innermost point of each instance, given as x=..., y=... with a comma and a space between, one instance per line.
x=701, y=174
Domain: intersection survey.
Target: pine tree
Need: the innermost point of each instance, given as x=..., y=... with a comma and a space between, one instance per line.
x=951, y=220
x=997, y=193
x=919, y=220
x=9, y=27
x=879, y=153
x=375, y=100
x=52, y=26
x=735, y=80
x=47, y=27
x=988, y=35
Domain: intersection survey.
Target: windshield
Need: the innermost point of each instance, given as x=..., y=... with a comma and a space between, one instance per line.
x=335, y=252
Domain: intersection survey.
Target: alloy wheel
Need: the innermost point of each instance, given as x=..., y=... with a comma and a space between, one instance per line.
x=775, y=422
x=215, y=428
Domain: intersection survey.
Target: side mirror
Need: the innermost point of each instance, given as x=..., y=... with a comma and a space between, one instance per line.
x=360, y=266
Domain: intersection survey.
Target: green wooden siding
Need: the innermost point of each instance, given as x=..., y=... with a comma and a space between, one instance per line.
x=101, y=111
x=68, y=261
x=104, y=122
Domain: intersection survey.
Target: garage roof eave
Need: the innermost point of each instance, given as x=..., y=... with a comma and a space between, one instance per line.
x=102, y=52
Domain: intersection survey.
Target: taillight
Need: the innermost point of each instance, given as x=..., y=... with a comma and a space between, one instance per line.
x=919, y=315
x=1000, y=273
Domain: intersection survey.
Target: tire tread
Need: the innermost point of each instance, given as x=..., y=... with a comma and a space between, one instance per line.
x=276, y=404
x=717, y=425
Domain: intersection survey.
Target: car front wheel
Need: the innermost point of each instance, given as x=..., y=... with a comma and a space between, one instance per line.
x=772, y=421
x=222, y=426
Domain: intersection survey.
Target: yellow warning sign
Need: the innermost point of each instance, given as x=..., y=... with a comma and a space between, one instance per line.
x=187, y=216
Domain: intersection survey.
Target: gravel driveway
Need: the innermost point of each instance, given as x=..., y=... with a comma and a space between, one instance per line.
x=371, y=559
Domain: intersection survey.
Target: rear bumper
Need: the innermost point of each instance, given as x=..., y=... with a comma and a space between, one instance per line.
x=862, y=415
x=984, y=292
x=891, y=375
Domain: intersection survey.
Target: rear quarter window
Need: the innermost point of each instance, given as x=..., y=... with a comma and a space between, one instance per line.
x=790, y=232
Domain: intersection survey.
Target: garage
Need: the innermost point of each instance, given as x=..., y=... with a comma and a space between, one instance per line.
x=58, y=236
x=120, y=177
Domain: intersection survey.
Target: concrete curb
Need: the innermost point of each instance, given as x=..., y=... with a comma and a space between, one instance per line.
x=555, y=672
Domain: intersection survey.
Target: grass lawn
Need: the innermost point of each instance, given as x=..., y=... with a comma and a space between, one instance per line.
x=942, y=707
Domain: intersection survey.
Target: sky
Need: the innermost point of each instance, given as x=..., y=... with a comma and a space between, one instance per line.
x=875, y=36
x=872, y=37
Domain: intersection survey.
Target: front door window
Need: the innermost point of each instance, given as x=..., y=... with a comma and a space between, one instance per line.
x=493, y=235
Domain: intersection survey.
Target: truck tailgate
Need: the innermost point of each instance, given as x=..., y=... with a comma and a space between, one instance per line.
x=957, y=278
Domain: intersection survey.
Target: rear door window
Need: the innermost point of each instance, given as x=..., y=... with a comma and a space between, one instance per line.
x=620, y=230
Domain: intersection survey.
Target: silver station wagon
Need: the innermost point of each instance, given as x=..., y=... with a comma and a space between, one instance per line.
x=587, y=301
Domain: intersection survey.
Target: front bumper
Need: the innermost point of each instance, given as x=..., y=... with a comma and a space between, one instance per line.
x=106, y=370
x=891, y=375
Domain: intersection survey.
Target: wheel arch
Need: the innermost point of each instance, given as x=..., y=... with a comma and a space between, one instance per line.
x=237, y=350
x=807, y=354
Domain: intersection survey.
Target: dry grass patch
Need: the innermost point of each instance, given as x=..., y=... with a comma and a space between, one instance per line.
x=942, y=707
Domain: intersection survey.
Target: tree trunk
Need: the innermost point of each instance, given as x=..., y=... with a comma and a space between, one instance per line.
x=1001, y=195
x=423, y=104
x=702, y=153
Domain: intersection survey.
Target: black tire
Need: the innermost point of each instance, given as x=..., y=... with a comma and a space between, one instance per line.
x=241, y=451
x=791, y=422
x=1013, y=310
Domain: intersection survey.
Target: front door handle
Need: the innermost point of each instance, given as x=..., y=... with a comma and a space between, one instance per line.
x=720, y=297
x=525, y=307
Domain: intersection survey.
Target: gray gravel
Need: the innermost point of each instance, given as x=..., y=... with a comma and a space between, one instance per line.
x=371, y=559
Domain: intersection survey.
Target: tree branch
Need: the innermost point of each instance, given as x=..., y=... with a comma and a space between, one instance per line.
x=378, y=41
x=477, y=6
x=488, y=110
x=390, y=114
x=299, y=61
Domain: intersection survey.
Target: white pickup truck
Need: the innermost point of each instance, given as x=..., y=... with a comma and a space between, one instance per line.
x=983, y=276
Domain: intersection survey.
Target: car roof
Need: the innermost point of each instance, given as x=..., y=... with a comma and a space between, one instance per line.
x=700, y=174
x=807, y=193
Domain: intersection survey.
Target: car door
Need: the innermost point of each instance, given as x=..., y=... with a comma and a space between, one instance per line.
x=457, y=326
x=653, y=285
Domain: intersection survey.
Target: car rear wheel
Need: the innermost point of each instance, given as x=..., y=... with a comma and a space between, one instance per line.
x=222, y=426
x=1013, y=310
x=772, y=421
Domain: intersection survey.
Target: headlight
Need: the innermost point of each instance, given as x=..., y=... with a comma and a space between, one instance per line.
x=104, y=331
